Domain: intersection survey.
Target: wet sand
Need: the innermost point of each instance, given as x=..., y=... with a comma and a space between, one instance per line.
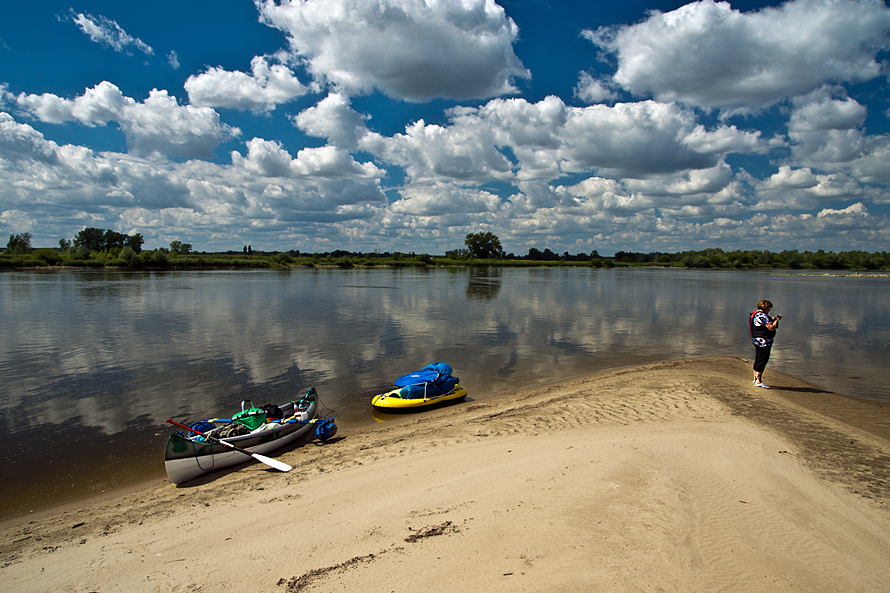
x=679, y=476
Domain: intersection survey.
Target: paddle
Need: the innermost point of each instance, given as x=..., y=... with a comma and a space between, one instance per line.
x=282, y=467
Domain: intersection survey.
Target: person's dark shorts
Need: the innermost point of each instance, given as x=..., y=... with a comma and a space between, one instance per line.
x=761, y=357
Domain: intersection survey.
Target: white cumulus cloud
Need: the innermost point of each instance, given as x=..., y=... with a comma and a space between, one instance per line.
x=159, y=125
x=710, y=55
x=407, y=49
x=827, y=132
x=549, y=138
x=267, y=86
x=270, y=159
x=593, y=90
x=513, y=140
x=788, y=178
x=856, y=209
x=444, y=200
x=333, y=118
x=267, y=190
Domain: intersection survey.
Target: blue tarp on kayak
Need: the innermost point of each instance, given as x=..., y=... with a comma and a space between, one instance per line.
x=433, y=379
x=428, y=374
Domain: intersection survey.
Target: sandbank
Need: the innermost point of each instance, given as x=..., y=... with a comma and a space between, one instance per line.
x=678, y=476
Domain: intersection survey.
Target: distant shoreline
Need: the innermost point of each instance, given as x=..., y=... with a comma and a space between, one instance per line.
x=478, y=264
x=181, y=256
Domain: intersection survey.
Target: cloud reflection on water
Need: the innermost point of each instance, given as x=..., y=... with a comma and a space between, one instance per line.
x=93, y=362
x=107, y=347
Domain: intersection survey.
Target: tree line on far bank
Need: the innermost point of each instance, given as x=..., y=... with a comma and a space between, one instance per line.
x=488, y=246
x=99, y=248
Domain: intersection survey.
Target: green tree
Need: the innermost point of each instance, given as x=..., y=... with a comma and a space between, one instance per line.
x=135, y=242
x=51, y=257
x=484, y=246
x=93, y=239
x=156, y=257
x=128, y=254
x=764, y=258
x=180, y=248
x=90, y=238
x=19, y=244
x=113, y=239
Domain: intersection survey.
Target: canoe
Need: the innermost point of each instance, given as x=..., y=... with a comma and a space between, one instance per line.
x=394, y=401
x=188, y=455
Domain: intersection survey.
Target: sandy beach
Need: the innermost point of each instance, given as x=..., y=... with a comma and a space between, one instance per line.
x=679, y=476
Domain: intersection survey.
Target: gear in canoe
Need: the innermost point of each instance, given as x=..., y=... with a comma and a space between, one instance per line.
x=216, y=443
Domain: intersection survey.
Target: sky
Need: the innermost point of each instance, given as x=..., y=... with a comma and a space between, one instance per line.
x=404, y=125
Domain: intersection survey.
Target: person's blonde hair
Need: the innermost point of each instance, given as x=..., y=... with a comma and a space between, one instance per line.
x=764, y=305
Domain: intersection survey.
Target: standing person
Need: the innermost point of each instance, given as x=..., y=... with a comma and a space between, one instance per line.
x=763, y=332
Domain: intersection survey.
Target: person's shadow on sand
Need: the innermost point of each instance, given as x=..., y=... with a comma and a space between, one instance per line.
x=799, y=389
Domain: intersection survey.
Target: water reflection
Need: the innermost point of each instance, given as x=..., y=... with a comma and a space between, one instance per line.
x=92, y=351
x=484, y=283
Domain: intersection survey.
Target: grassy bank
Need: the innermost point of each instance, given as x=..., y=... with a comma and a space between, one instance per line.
x=710, y=258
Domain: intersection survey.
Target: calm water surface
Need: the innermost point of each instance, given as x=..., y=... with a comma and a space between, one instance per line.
x=93, y=362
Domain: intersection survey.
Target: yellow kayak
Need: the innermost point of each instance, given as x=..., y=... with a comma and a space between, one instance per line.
x=393, y=401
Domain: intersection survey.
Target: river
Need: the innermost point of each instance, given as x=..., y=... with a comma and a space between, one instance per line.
x=93, y=362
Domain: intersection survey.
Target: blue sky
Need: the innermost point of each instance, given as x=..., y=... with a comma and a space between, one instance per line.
x=403, y=125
